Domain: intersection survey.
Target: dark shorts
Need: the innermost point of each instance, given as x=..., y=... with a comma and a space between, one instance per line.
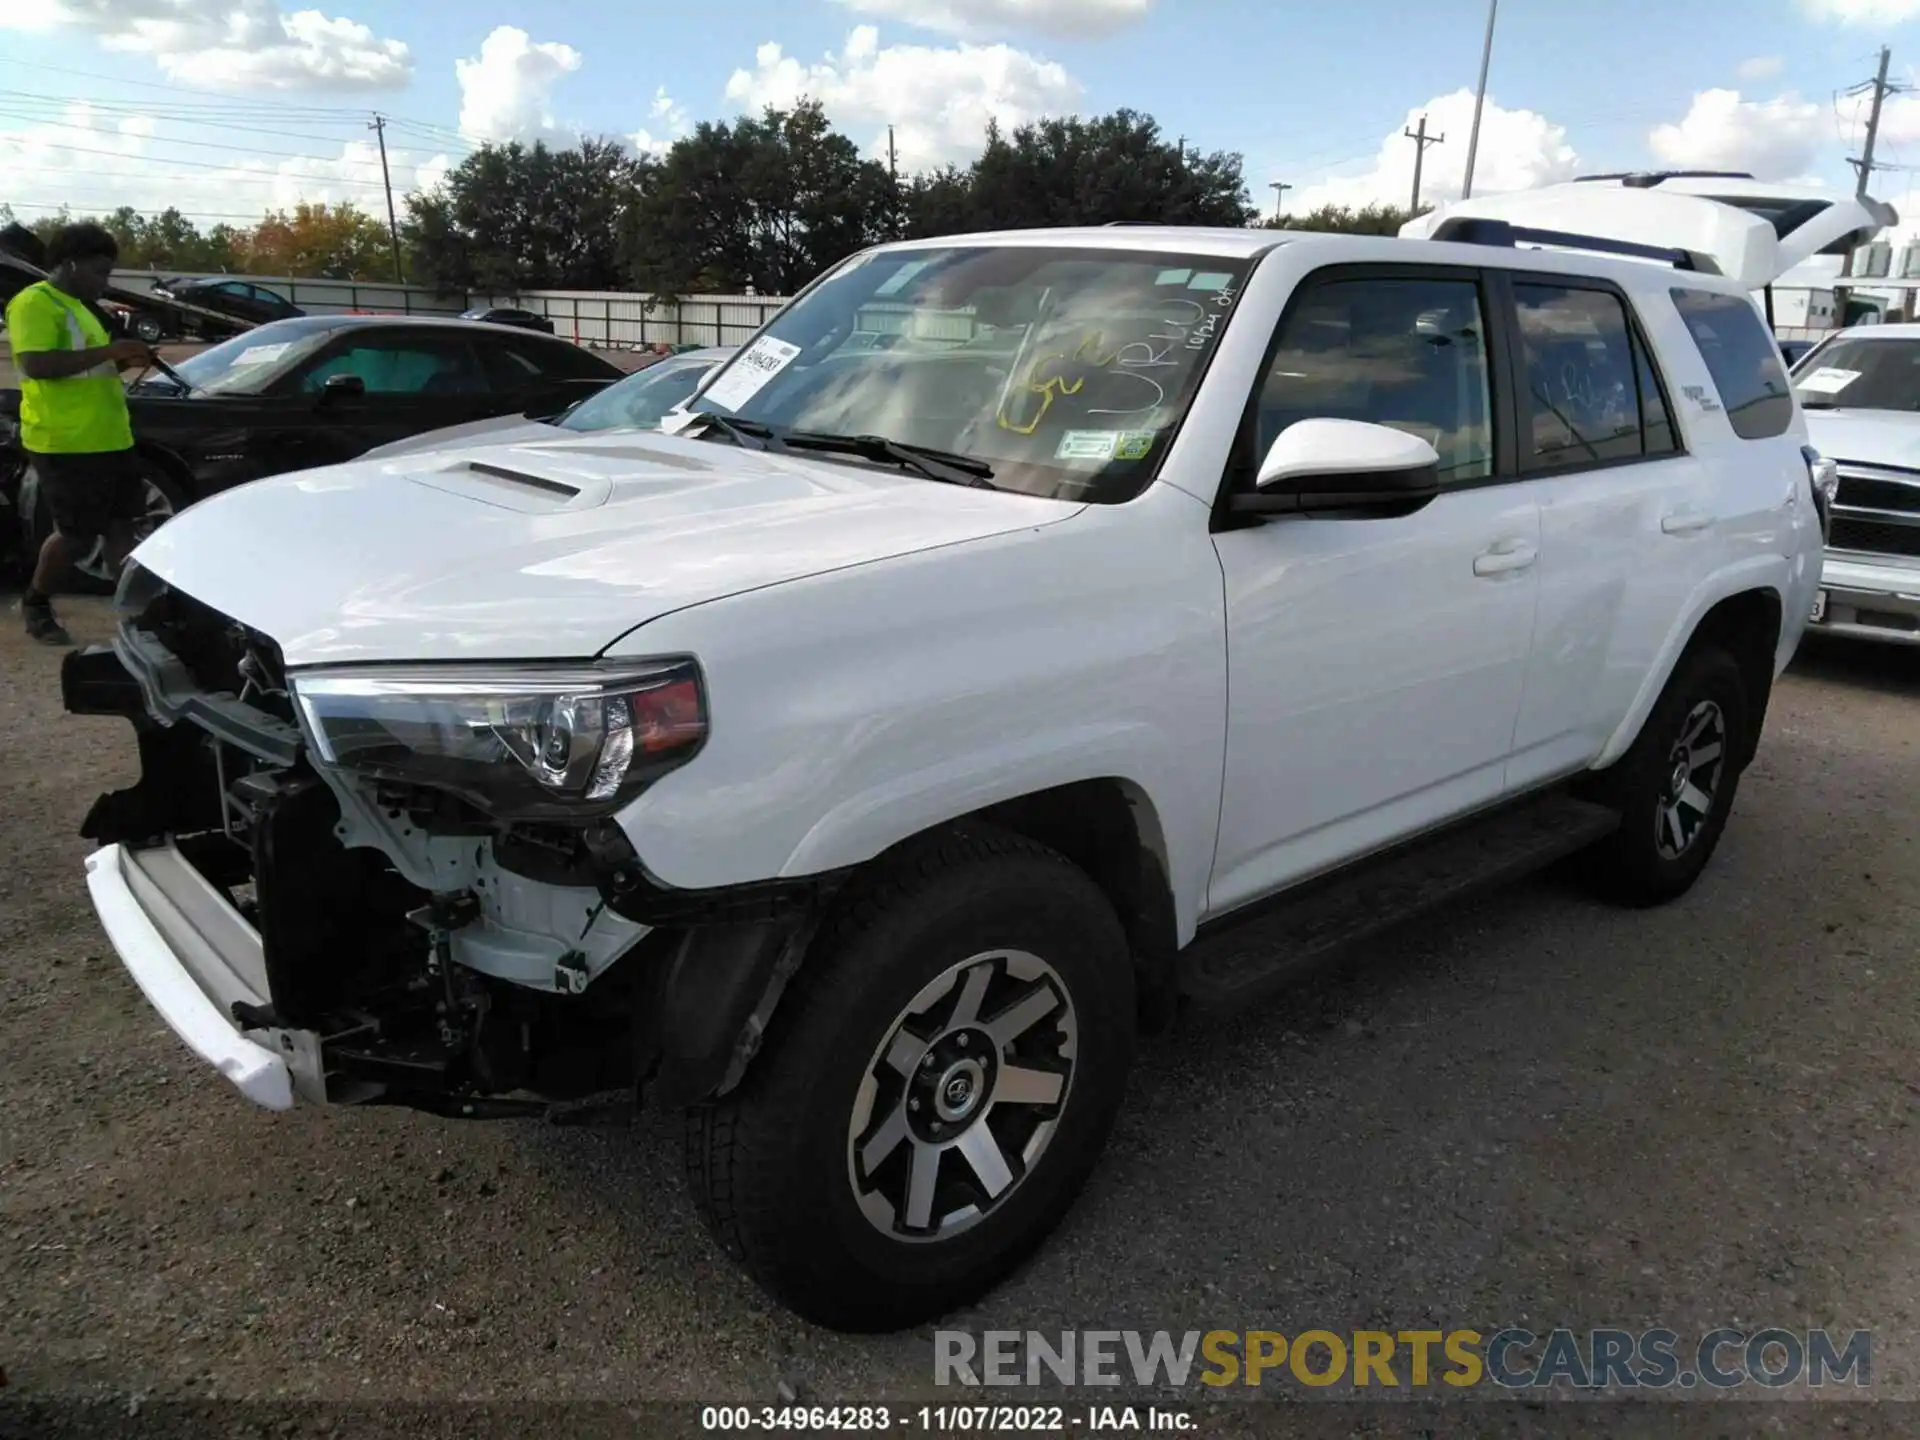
x=90, y=495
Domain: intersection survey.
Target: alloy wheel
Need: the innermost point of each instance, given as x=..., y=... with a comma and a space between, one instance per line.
x=1694, y=769
x=962, y=1096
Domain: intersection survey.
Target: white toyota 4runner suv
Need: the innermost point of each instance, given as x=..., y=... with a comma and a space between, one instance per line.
x=857, y=762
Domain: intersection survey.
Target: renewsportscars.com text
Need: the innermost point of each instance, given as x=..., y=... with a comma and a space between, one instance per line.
x=1511, y=1358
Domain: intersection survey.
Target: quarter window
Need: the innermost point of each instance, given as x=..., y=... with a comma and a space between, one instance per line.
x=1590, y=392
x=1406, y=353
x=1743, y=360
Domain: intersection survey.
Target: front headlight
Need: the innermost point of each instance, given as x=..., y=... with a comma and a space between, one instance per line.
x=519, y=743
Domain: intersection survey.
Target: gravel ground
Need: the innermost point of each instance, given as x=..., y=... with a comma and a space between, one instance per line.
x=1531, y=1111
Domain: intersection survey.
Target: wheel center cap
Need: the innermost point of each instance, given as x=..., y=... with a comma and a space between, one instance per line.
x=1682, y=772
x=958, y=1092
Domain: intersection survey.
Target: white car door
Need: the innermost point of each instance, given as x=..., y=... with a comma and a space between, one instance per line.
x=1624, y=515
x=1375, y=665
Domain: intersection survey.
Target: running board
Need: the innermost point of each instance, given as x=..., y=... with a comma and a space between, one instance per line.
x=1329, y=917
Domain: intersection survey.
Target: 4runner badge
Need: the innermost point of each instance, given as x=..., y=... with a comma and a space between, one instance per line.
x=1698, y=395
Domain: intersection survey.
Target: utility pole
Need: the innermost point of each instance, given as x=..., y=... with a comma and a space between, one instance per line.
x=1183, y=152
x=379, y=128
x=1479, y=100
x=1279, y=193
x=890, y=155
x=1864, y=166
x=893, y=188
x=1420, y=140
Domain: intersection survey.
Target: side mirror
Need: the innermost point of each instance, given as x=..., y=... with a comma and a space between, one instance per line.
x=1350, y=466
x=339, y=385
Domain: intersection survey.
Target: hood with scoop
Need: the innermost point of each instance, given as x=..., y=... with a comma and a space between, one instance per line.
x=546, y=551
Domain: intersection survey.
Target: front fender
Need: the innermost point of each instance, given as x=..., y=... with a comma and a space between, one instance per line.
x=854, y=710
x=1758, y=572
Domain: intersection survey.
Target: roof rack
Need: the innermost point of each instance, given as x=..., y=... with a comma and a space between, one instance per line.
x=1647, y=179
x=1465, y=230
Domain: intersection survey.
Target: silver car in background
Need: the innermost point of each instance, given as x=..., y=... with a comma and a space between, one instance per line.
x=638, y=402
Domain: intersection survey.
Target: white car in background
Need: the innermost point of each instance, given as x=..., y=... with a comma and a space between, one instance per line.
x=639, y=402
x=1861, y=391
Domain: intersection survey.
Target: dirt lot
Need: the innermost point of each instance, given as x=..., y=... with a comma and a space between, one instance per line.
x=1535, y=1111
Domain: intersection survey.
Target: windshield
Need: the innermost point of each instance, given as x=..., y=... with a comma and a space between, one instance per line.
x=242, y=365
x=1872, y=374
x=1065, y=370
x=642, y=399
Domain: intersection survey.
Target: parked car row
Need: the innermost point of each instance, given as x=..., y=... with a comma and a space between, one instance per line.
x=317, y=390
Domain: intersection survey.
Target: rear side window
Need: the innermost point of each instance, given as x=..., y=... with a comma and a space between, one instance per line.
x=1743, y=360
x=1590, y=390
x=568, y=362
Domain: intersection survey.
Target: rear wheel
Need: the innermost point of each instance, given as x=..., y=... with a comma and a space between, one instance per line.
x=926, y=1112
x=1675, y=787
x=148, y=328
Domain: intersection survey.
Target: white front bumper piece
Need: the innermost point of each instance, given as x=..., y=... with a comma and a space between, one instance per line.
x=193, y=956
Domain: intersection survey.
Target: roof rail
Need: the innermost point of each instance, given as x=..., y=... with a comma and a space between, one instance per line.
x=1464, y=230
x=1647, y=179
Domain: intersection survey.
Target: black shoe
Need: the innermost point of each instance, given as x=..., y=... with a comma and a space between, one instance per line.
x=42, y=626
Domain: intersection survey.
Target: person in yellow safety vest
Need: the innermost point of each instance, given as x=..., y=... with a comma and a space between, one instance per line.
x=74, y=424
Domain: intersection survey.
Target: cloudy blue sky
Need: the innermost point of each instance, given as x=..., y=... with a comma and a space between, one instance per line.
x=224, y=107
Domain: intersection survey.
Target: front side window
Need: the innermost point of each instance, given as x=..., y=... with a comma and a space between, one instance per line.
x=640, y=401
x=1862, y=374
x=1066, y=370
x=1742, y=359
x=1406, y=353
x=394, y=367
x=1586, y=383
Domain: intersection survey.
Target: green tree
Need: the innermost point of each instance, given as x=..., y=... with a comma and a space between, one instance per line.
x=516, y=217
x=767, y=202
x=321, y=242
x=1375, y=219
x=1117, y=167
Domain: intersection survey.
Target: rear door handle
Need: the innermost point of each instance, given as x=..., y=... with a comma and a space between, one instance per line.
x=1505, y=557
x=1685, y=522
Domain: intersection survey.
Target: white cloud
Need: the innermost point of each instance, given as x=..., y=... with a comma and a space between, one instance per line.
x=977, y=18
x=670, y=116
x=506, y=91
x=1773, y=139
x=1761, y=67
x=1862, y=12
x=1518, y=150
x=62, y=160
x=938, y=99
x=230, y=44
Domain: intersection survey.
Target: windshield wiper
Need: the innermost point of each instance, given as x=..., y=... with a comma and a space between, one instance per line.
x=740, y=431
x=942, y=465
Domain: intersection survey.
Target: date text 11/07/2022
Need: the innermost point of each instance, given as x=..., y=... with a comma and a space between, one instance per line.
x=944, y=1419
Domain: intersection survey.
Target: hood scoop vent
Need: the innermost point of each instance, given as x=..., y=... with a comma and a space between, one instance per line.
x=520, y=477
x=506, y=487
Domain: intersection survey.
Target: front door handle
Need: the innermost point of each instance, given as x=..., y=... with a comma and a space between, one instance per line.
x=1685, y=522
x=1506, y=557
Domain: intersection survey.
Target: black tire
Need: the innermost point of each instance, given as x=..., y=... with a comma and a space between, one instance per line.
x=1664, y=840
x=772, y=1166
x=88, y=576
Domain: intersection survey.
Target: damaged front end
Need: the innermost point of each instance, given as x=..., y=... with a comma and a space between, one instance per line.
x=405, y=885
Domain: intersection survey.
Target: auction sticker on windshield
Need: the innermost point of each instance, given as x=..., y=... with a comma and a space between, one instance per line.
x=749, y=374
x=261, y=354
x=1827, y=380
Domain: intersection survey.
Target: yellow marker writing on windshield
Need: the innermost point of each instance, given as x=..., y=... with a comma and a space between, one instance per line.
x=1086, y=352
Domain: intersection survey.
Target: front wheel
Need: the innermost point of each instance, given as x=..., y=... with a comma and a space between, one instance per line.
x=90, y=574
x=1674, y=788
x=925, y=1113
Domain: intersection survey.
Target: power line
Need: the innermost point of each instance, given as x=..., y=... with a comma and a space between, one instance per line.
x=213, y=165
x=51, y=126
x=62, y=205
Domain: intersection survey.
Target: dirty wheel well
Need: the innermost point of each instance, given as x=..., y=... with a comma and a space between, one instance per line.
x=1107, y=829
x=1747, y=627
